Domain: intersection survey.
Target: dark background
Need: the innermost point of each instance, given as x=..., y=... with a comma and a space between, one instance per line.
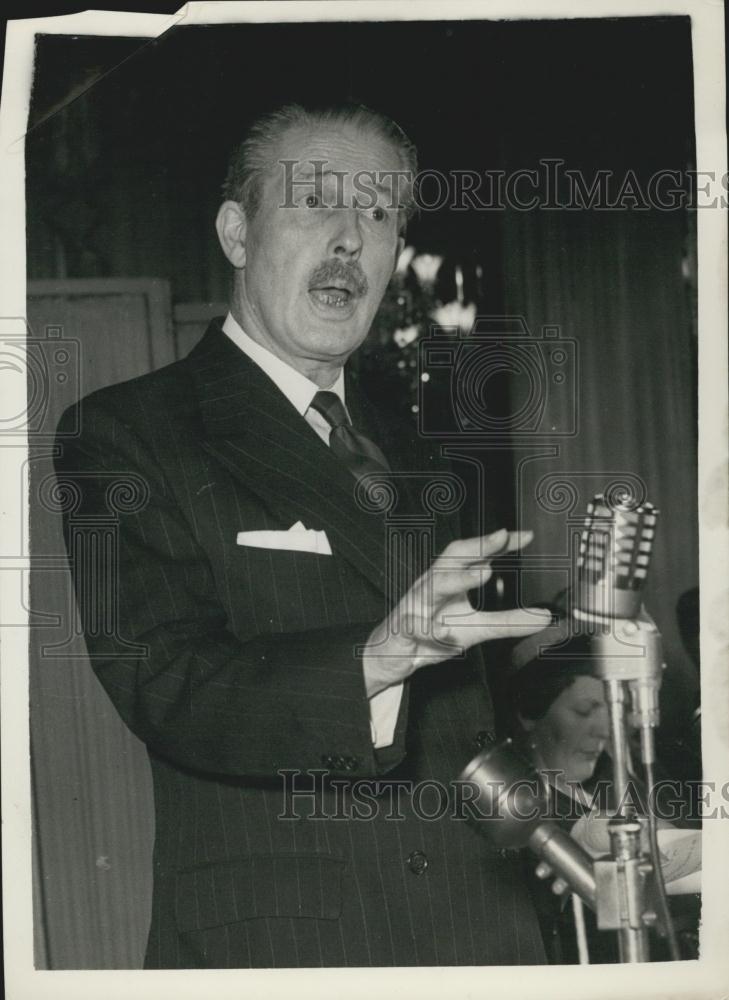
x=126, y=180
x=129, y=140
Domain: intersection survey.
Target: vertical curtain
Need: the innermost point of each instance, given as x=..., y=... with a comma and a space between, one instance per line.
x=92, y=799
x=612, y=283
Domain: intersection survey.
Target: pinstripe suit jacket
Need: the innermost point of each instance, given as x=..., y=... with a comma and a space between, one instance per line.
x=245, y=666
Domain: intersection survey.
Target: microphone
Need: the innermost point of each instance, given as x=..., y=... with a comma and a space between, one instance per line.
x=614, y=554
x=625, y=649
x=612, y=566
x=510, y=793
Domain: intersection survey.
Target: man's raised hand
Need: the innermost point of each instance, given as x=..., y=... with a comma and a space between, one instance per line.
x=435, y=621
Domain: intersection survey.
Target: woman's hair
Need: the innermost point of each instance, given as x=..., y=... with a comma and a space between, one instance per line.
x=542, y=680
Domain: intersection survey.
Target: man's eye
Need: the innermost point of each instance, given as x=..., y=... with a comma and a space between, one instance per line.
x=312, y=201
x=379, y=214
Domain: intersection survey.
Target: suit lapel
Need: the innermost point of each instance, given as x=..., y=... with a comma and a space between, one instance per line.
x=252, y=428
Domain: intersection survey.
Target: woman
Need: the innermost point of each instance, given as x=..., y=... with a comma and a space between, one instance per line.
x=561, y=723
x=560, y=713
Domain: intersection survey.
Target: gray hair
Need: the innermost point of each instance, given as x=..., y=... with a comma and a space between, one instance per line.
x=252, y=158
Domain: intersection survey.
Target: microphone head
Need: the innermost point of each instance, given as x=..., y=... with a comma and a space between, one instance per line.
x=615, y=550
x=509, y=793
x=514, y=807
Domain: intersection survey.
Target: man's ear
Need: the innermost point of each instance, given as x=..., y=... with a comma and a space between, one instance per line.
x=231, y=225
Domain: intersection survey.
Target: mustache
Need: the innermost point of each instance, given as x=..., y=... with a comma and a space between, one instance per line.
x=338, y=274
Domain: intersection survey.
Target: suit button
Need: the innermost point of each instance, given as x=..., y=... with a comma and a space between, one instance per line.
x=327, y=760
x=417, y=862
x=484, y=739
x=351, y=763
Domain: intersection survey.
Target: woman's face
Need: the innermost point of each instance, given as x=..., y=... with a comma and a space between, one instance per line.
x=574, y=731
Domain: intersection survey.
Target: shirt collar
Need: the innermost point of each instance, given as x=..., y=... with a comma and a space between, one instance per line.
x=298, y=389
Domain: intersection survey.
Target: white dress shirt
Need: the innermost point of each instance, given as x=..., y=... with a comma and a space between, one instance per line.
x=300, y=391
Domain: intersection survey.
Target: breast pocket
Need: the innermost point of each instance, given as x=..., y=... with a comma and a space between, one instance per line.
x=278, y=590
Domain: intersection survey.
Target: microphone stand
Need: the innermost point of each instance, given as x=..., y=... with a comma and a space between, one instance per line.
x=627, y=656
x=626, y=653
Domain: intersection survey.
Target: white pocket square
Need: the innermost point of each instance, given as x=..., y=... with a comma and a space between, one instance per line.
x=297, y=539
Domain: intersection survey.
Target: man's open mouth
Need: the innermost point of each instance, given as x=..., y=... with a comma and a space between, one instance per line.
x=332, y=295
x=335, y=286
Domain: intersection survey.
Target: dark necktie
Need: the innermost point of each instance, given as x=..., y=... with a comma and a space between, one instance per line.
x=361, y=456
x=353, y=449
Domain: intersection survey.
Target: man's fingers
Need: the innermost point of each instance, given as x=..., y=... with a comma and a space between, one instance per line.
x=515, y=540
x=466, y=551
x=464, y=627
x=417, y=628
x=464, y=565
x=544, y=871
x=481, y=626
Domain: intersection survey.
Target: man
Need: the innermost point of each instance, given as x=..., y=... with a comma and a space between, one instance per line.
x=292, y=657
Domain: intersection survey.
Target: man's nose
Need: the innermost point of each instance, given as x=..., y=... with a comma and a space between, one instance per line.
x=346, y=239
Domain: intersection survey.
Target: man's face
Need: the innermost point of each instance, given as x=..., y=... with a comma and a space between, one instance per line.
x=321, y=246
